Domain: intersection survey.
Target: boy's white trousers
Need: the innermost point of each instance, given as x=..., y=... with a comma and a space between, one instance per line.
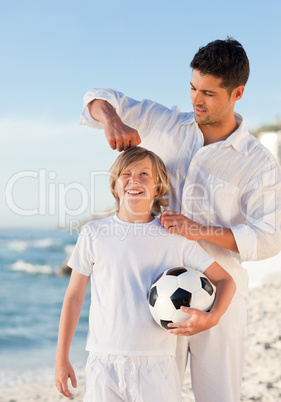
x=115, y=378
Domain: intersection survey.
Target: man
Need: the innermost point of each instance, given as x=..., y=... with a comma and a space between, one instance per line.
x=225, y=194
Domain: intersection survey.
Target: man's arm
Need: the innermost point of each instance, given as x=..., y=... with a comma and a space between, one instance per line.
x=119, y=135
x=175, y=222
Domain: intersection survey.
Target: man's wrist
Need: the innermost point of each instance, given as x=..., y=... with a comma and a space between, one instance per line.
x=202, y=232
x=102, y=111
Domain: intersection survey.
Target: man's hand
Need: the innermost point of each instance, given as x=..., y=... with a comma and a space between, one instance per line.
x=119, y=135
x=175, y=222
x=197, y=321
x=63, y=372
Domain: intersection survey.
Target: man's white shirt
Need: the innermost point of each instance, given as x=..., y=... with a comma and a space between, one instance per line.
x=234, y=183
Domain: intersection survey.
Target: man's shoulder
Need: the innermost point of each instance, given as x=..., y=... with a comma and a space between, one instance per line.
x=259, y=151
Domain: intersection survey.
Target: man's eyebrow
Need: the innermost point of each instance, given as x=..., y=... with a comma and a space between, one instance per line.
x=204, y=90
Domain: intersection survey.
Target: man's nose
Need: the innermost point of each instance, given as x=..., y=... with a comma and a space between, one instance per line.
x=196, y=98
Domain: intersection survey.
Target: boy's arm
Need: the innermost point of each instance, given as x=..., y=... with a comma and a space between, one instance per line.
x=70, y=314
x=200, y=321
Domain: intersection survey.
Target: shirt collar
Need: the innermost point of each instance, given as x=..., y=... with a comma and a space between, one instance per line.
x=238, y=140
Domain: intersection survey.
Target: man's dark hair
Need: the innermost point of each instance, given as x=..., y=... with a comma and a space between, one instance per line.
x=225, y=59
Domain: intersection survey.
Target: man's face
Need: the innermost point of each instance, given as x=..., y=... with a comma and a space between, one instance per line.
x=212, y=104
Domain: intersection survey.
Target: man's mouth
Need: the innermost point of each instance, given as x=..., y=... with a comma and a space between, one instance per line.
x=199, y=110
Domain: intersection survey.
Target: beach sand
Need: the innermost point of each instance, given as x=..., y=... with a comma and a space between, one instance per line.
x=262, y=374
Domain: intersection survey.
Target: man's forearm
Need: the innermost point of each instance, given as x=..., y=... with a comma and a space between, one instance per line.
x=176, y=222
x=219, y=236
x=102, y=111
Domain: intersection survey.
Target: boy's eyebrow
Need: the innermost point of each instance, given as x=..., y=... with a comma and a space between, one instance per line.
x=204, y=90
x=141, y=168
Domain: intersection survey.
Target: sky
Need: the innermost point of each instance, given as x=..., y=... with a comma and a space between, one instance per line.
x=53, y=171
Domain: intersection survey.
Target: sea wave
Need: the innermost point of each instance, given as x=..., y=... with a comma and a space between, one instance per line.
x=69, y=248
x=23, y=266
x=18, y=245
x=22, y=245
x=45, y=243
x=27, y=374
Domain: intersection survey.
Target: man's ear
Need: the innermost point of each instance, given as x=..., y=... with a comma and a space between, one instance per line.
x=237, y=93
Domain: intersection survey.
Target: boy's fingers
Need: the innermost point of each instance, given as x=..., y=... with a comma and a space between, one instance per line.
x=73, y=381
x=66, y=392
x=186, y=309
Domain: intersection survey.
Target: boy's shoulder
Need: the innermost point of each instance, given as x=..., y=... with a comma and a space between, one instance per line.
x=95, y=224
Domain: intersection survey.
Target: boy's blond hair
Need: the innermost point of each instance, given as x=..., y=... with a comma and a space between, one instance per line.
x=131, y=157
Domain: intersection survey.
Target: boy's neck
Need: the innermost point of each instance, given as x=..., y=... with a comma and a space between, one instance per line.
x=139, y=217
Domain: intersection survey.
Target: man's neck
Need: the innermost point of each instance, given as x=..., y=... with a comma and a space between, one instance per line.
x=218, y=132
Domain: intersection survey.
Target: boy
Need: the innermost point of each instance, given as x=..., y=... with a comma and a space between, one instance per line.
x=131, y=357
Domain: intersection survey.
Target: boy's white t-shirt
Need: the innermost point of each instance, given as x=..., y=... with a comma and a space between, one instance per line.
x=123, y=260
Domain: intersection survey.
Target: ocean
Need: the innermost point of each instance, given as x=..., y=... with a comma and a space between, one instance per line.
x=31, y=296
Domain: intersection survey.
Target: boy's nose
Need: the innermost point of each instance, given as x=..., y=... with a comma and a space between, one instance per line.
x=133, y=179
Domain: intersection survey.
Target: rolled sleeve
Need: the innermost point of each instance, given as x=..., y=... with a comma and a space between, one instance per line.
x=103, y=94
x=246, y=242
x=260, y=237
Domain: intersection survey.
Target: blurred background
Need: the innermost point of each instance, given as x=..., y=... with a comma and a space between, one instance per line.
x=54, y=172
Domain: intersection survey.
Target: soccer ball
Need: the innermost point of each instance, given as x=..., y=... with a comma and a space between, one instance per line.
x=178, y=287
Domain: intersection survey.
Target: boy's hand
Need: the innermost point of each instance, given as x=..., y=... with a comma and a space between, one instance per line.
x=63, y=372
x=197, y=321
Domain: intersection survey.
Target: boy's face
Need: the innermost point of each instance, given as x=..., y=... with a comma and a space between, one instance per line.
x=136, y=187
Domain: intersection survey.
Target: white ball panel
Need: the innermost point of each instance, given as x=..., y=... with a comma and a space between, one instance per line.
x=190, y=280
x=180, y=316
x=167, y=285
x=202, y=300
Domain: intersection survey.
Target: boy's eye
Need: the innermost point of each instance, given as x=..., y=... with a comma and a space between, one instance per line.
x=144, y=173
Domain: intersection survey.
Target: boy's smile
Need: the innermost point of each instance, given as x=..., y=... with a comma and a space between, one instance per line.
x=133, y=191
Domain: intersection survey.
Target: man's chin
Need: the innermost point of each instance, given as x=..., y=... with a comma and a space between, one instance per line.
x=201, y=122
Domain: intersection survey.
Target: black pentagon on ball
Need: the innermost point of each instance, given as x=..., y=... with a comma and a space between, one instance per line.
x=176, y=271
x=206, y=285
x=180, y=298
x=164, y=323
x=153, y=296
